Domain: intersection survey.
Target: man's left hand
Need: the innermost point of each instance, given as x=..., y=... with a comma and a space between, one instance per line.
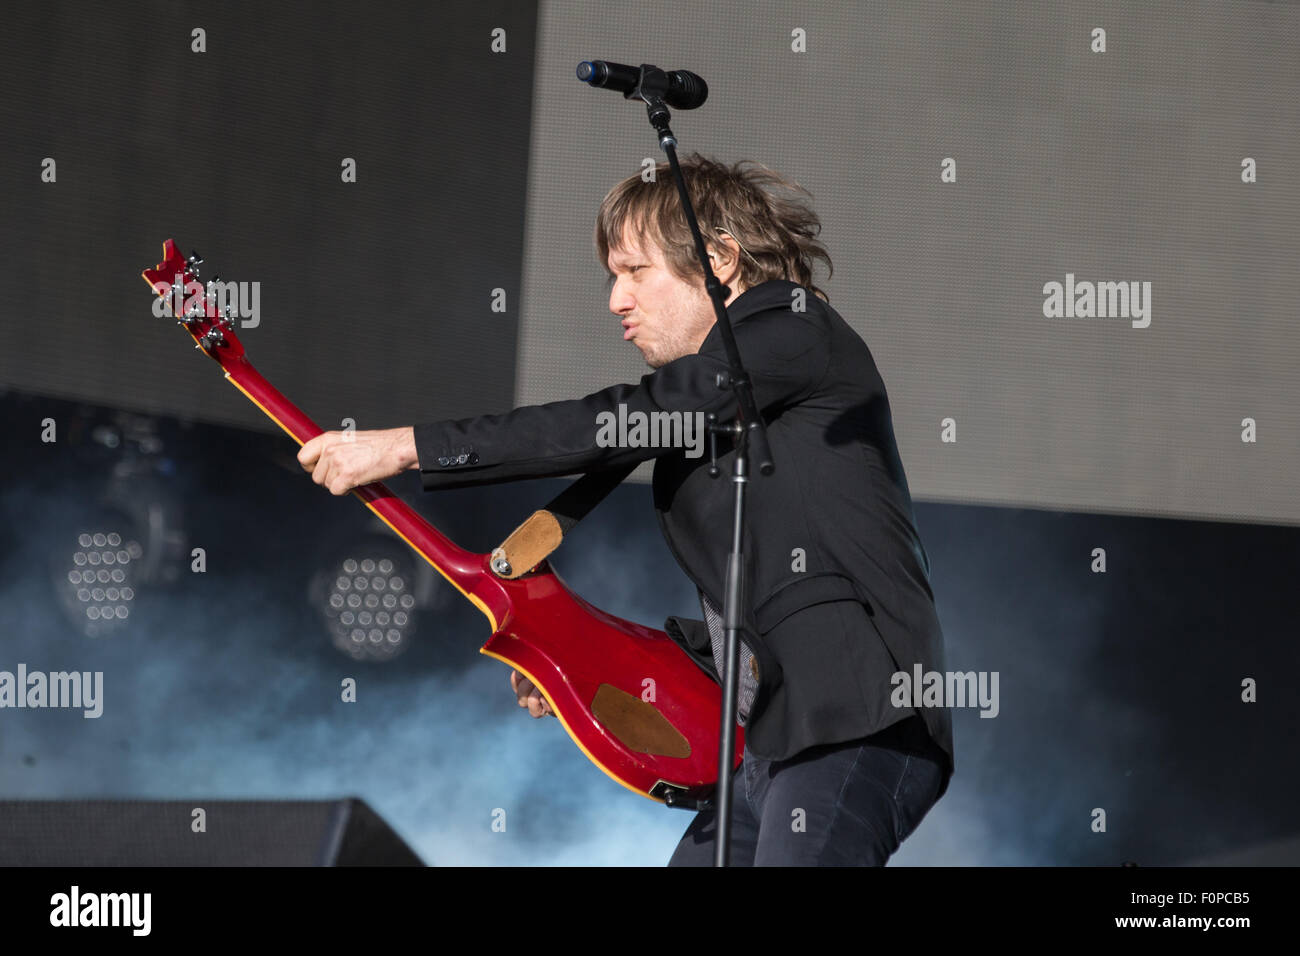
x=342, y=461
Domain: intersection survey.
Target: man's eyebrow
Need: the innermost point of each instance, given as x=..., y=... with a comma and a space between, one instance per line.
x=629, y=259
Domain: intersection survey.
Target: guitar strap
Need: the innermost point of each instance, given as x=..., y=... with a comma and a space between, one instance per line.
x=541, y=533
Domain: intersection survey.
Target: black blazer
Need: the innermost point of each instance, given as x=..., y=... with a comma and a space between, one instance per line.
x=838, y=498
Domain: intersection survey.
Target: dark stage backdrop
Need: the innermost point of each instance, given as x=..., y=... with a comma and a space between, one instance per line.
x=376, y=296
x=1117, y=690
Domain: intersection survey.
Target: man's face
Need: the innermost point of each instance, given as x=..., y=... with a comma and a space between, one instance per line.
x=663, y=316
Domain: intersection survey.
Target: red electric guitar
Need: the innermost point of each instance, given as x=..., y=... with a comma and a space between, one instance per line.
x=592, y=667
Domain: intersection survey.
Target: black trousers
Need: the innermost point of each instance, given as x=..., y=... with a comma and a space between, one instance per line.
x=846, y=804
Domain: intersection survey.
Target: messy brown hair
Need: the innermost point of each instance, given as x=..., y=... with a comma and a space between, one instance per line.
x=759, y=208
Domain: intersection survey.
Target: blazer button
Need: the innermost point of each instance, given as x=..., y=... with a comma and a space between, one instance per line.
x=463, y=458
x=443, y=461
x=473, y=458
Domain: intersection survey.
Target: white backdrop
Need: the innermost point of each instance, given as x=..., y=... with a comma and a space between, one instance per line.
x=1123, y=165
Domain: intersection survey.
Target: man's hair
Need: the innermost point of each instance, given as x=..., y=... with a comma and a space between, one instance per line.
x=760, y=209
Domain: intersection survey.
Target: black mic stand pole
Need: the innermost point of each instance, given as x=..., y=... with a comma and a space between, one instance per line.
x=747, y=428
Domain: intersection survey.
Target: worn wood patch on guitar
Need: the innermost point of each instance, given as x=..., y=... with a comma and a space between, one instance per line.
x=637, y=724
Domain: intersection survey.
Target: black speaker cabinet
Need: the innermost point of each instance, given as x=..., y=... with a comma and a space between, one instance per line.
x=163, y=833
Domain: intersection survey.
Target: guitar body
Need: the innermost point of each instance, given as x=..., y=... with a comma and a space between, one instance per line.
x=632, y=700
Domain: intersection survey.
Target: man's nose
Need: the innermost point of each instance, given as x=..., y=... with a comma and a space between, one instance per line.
x=620, y=302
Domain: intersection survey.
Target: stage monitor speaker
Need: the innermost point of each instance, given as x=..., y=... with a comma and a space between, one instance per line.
x=168, y=833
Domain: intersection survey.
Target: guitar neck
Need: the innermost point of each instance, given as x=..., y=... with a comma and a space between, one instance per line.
x=465, y=570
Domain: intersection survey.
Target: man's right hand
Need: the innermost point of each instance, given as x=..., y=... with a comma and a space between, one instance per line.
x=529, y=696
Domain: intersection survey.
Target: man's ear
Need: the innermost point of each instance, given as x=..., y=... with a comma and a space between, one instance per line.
x=725, y=256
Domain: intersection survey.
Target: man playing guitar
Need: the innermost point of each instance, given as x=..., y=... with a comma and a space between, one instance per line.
x=835, y=770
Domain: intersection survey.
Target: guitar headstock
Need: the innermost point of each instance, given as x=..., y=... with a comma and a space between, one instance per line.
x=195, y=305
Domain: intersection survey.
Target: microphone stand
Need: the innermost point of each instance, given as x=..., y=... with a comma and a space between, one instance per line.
x=748, y=427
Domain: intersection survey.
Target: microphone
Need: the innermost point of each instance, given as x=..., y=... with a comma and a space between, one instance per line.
x=685, y=91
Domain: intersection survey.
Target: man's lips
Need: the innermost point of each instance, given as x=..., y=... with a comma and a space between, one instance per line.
x=631, y=329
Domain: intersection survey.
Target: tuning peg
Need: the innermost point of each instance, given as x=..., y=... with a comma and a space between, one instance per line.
x=212, y=337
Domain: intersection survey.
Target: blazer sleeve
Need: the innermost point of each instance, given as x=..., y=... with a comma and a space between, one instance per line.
x=786, y=354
